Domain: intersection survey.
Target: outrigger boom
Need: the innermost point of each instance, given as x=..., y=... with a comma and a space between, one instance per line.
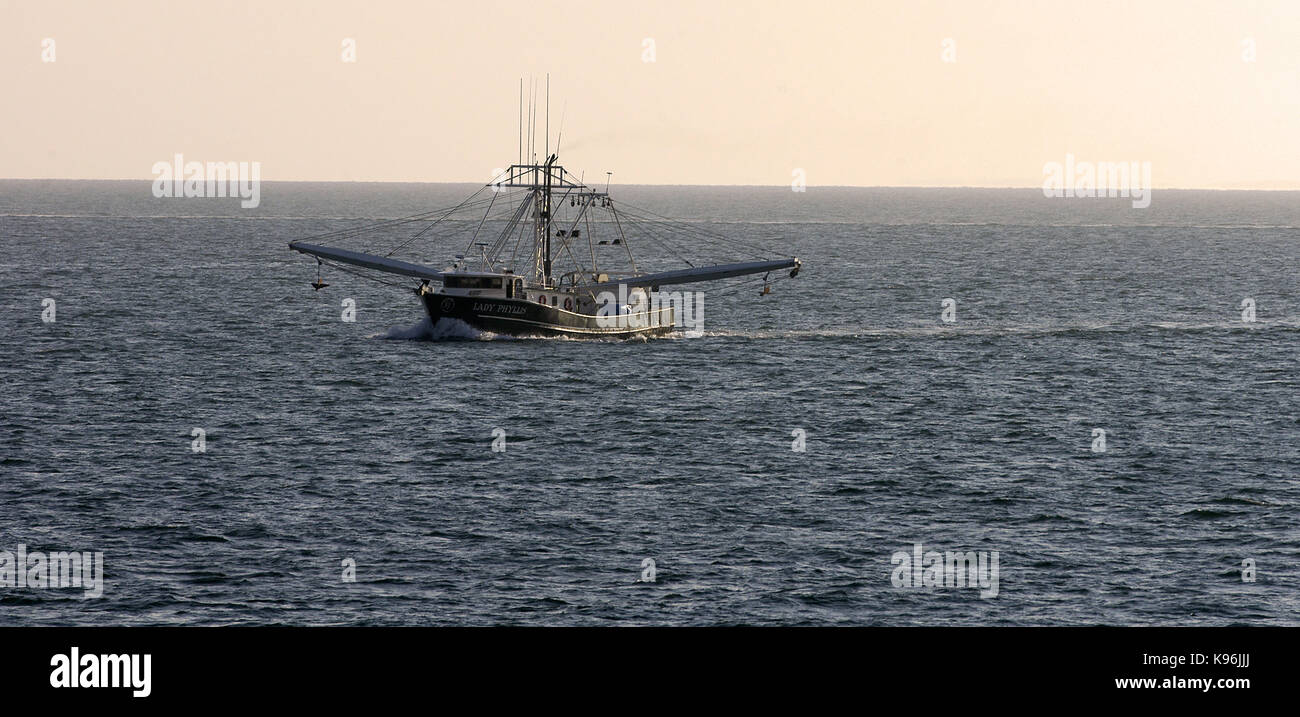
x=680, y=276
x=368, y=261
x=701, y=273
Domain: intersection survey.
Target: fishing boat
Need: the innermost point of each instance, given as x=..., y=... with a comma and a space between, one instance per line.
x=554, y=258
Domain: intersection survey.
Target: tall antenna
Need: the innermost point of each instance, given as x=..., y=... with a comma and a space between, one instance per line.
x=532, y=124
x=560, y=136
x=521, y=120
x=548, y=116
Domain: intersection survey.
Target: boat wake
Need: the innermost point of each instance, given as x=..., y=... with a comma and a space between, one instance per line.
x=445, y=330
x=1045, y=330
x=449, y=329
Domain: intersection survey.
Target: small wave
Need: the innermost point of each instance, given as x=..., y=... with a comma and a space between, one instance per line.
x=1230, y=500
x=1207, y=514
x=1053, y=518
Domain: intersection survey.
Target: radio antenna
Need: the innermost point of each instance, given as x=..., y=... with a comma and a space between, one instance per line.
x=560, y=136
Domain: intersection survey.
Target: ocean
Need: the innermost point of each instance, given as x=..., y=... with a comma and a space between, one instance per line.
x=1071, y=389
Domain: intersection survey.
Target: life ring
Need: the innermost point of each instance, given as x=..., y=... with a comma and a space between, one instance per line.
x=541, y=299
x=568, y=304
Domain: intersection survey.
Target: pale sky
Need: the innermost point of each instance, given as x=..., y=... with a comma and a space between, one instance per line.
x=852, y=93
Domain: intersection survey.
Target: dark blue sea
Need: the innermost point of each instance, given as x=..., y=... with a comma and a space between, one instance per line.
x=330, y=443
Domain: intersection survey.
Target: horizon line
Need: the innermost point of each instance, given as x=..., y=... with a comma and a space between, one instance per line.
x=653, y=184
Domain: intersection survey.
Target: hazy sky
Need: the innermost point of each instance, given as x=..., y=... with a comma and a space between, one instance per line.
x=852, y=93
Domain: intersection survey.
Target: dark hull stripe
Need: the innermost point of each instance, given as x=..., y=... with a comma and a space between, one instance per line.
x=516, y=317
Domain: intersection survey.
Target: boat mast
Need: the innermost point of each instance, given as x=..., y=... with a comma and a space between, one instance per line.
x=543, y=214
x=546, y=220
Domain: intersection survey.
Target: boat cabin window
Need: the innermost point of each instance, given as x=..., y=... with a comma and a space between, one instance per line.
x=472, y=282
